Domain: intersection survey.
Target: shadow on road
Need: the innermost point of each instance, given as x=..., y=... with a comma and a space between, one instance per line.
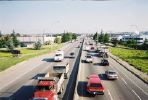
x=48, y=59
x=81, y=89
x=97, y=64
x=24, y=93
x=103, y=76
x=66, y=57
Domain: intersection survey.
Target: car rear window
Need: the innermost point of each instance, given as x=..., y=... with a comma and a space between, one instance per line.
x=96, y=85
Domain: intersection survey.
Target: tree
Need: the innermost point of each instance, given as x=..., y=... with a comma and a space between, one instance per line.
x=0, y=34
x=106, y=38
x=58, y=40
x=144, y=46
x=37, y=45
x=101, y=37
x=66, y=37
x=74, y=36
x=2, y=42
x=14, y=38
x=115, y=42
x=9, y=44
x=131, y=43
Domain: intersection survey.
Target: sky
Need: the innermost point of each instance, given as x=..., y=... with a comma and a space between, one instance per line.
x=80, y=16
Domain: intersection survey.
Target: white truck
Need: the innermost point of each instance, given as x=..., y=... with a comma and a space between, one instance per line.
x=52, y=84
x=59, y=56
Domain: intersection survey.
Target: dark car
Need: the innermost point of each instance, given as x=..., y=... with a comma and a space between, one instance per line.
x=104, y=62
x=72, y=55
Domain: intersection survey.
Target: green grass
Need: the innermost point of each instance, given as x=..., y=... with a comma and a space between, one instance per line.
x=137, y=58
x=7, y=60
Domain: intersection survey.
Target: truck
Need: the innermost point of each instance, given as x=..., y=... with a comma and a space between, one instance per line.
x=59, y=56
x=52, y=84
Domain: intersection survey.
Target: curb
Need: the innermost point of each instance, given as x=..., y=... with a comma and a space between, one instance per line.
x=137, y=75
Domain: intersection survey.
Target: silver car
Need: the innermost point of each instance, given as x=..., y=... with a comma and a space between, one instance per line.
x=111, y=74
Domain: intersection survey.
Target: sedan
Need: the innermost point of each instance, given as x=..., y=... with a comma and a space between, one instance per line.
x=111, y=74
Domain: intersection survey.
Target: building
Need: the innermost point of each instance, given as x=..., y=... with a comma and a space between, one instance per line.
x=29, y=40
x=138, y=38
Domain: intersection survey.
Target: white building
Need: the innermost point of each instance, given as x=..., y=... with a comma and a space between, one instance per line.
x=138, y=38
x=30, y=40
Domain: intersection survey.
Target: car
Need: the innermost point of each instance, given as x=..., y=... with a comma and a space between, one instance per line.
x=92, y=48
x=104, y=62
x=72, y=55
x=94, y=85
x=88, y=59
x=111, y=74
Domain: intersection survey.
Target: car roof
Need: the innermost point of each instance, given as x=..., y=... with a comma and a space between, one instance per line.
x=45, y=83
x=94, y=79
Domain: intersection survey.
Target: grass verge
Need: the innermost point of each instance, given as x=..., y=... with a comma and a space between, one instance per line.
x=136, y=58
x=6, y=59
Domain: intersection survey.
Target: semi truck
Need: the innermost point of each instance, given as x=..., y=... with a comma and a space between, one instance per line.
x=52, y=84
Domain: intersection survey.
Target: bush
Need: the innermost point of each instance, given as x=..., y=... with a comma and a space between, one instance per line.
x=37, y=45
x=23, y=44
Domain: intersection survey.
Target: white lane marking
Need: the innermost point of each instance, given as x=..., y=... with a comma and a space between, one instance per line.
x=136, y=94
x=132, y=82
x=110, y=95
x=124, y=80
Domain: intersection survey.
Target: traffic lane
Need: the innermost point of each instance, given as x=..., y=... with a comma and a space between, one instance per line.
x=118, y=88
x=128, y=79
x=16, y=85
x=26, y=91
x=134, y=79
x=114, y=90
x=86, y=70
x=16, y=72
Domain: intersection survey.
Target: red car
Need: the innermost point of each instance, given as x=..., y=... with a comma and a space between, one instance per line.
x=94, y=85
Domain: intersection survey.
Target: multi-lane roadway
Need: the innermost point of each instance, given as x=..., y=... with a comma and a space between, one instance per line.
x=18, y=82
x=126, y=87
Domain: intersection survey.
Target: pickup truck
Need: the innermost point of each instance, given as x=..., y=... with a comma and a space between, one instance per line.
x=52, y=84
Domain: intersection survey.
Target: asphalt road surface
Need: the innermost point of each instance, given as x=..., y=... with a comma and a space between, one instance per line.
x=18, y=83
x=126, y=87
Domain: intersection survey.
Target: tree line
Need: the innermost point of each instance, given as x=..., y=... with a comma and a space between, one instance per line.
x=102, y=38
x=65, y=37
x=9, y=41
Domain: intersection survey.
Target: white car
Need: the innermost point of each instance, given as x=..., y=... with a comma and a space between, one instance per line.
x=88, y=59
x=111, y=74
x=59, y=56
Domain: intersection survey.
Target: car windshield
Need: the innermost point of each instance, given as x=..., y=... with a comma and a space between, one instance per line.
x=112, y=73
x=96, y=85
x=105, y=61
x=44, y=88
x=58, y=55
x=88, y=56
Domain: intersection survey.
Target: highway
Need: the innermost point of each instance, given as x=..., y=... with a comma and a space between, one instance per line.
x=126, y=87
x=19, y=83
